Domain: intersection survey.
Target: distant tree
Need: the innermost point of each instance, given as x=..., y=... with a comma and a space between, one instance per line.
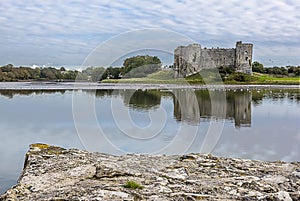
x=37, y=73
x=294, y=70
x=240, y=77
x=114, y=72
x=97, y=74
x=47, y=73
x=30, y=72
x=138, y=61
x=277, y=71
x=10, y=73
x=2, y=78
x=93, y=73
x=21, y=73
x=140, y=66
x=11, y=76
x=70, y=75
x=81, y=76
x=284, y=71
x=258, y=67
x=7, y=68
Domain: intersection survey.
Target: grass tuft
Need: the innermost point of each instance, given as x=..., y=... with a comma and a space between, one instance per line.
x=40, y=145
x=133, y=185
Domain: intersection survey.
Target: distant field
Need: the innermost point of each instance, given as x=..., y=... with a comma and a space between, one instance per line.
x=267, y=79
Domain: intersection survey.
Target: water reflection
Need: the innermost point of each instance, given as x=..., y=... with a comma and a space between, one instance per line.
x=140, y=99
x=146, y=99
x=275, y=95
x=191, y=106
x=12, y=93
x=237, y=106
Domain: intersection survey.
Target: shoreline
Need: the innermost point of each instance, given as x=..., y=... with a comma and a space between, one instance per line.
x=95, y=86
x=52, y=173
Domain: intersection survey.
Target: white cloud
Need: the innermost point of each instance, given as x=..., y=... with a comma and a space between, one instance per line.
x=74, y=26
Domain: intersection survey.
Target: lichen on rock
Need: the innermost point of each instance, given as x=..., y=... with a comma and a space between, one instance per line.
x=55, y=173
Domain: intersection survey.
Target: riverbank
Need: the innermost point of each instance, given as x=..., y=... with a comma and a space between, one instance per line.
x=209, y=77
x=266, y=80
x=161, y=78
x=55, y=173
x=94, y=86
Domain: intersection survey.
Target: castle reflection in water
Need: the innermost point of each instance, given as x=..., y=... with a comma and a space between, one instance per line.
x=232, y=105
x=192, y=106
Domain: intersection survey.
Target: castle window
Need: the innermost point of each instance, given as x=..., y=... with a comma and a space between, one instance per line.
x=246, y=58
x=195, y=57
x=246, y=53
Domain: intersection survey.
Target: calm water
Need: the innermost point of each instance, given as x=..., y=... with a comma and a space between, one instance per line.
x=252, y=124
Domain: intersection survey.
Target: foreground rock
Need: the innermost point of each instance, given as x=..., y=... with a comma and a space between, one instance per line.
x=54, y=173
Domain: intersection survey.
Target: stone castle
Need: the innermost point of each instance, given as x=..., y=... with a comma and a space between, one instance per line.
x=191, y=59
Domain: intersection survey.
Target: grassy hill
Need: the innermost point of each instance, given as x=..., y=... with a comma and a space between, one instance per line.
x=159, y=77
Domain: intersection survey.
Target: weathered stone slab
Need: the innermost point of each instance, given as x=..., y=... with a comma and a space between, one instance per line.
x=54, y=173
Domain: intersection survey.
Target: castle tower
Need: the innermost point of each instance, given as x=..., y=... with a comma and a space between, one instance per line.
x=187, y=60
x=243, y=57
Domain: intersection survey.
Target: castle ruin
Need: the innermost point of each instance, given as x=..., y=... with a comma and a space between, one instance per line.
x=192, y=59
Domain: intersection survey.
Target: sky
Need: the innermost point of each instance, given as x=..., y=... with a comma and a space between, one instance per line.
x=65, y=32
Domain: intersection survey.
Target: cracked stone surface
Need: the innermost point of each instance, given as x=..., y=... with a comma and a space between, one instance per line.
x=54, y=173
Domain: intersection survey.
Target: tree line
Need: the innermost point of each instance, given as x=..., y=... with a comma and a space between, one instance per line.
x=137, y=66
x=10, y=73
x=133, y=67
x=290, y=71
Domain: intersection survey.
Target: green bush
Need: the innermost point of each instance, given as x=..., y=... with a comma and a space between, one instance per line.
x=240, y=77
x=258, y=67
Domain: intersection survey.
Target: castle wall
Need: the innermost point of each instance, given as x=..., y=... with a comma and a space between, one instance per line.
x=212, y=58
